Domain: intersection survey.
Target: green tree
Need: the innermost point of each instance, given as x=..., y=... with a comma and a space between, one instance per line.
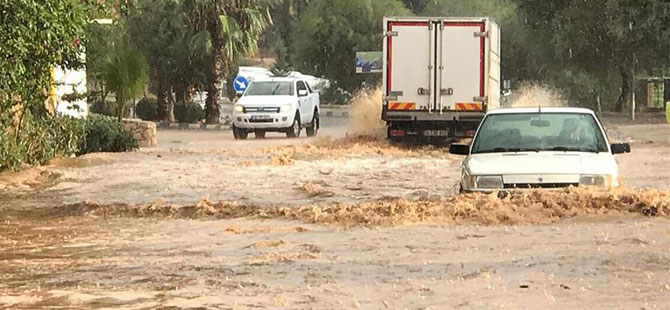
x=285, y=15
x=587, y=44
x=234, y=27
x=176, y=53
x=417, y=6
x=326, y=44
x=34, y=37
x=124, y=73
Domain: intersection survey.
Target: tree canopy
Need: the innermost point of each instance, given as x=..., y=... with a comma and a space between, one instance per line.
x=326, y=44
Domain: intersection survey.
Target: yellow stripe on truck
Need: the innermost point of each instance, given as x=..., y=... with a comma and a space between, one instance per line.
x=469, y=106
x=401, y=106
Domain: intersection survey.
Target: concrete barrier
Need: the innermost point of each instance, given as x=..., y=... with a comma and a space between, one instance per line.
x=143, y=131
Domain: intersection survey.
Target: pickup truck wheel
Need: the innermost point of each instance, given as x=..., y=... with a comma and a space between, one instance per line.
x=240, y=134
x=314, y=127
x=259, y=134
x=294, y=130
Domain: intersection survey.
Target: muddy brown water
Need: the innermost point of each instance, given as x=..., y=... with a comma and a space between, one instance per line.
x=328, y=223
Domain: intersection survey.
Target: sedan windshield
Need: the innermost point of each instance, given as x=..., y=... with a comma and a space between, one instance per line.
x=535, y=132
x=270, y=89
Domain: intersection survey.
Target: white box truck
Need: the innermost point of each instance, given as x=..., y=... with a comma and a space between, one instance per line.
x=441, y=75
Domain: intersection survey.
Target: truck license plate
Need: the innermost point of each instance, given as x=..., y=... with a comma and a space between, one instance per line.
x=260, y=117
x=435, y=133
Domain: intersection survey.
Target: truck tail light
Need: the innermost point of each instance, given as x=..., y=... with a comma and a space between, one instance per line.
x=397, y=133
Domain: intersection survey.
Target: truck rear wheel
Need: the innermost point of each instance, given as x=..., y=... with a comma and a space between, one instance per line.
x=314, y=127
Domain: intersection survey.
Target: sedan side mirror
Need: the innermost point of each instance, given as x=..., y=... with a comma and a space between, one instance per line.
x=459, y=149
x=620, y=148
x=302, y=93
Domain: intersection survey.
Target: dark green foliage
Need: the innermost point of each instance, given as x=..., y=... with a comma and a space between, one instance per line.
x=177, y=54
x=326, y=43
x=147, y=109
x=189, y=112
x=417, y=6
x=102, y=107
x=34, y=36
x=105, y=134
x=39, y=141
x=589, y=49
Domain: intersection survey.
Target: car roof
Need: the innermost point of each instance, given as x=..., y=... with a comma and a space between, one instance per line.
x=277, y=79
x=542, y=110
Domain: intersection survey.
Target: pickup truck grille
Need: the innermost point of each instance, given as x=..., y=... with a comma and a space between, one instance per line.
x=261, y=110
x=538, y=185
x=268, y=120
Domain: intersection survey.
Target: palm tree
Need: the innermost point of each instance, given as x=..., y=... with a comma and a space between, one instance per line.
x=234, y=27
x=125, y=73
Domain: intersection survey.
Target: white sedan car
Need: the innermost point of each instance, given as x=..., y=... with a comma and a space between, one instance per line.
x=277, y=104
x=539, y=148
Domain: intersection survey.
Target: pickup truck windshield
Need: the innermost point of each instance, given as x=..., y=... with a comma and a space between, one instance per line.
x=270, y=89
x=536, y=132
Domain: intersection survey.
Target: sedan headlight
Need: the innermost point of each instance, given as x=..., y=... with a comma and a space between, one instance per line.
x=595, y=180
x=285, y=108
x=489, y=182
x=239, y=108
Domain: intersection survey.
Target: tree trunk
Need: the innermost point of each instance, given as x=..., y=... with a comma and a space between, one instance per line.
x=180, y=94
x=120, y=106
x=161, y=103
x=212, y=112
x=625, y=89
x=171, y=117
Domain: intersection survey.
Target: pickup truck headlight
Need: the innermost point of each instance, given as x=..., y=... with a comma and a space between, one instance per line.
x=595, y=180
x=489, y=182
x=239, y=108
x=285, y=108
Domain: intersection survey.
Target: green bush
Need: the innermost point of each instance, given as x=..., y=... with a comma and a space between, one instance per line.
x=103, y=108
x=39, y=140
x=189, y=113
x=147, y=109
x=105, y=134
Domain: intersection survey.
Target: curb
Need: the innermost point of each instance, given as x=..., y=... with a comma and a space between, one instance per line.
x=339, y=114
x=186, y=126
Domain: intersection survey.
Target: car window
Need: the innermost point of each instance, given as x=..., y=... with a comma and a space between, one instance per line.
x=301, y=86
x=270, y=88
x=309, y=88
x=539, y=132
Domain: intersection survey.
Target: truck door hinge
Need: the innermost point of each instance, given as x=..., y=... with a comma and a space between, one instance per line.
x=481, y=99
x=423, y=91
x=446, y=92
x=391, y=34
x=485, y=34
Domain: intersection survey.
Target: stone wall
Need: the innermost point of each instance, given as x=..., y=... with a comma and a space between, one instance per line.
x=143, y=131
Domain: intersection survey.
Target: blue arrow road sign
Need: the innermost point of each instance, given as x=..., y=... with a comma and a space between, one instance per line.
x=240, y=83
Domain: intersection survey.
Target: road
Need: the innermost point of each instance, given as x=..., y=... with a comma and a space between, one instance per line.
x=340, y=222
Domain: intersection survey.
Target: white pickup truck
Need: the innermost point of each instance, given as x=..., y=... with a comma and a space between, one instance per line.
x=276, y=105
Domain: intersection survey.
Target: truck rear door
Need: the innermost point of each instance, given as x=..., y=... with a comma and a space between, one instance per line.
x=410, y=70
x=461, y=63
x=436, y=65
